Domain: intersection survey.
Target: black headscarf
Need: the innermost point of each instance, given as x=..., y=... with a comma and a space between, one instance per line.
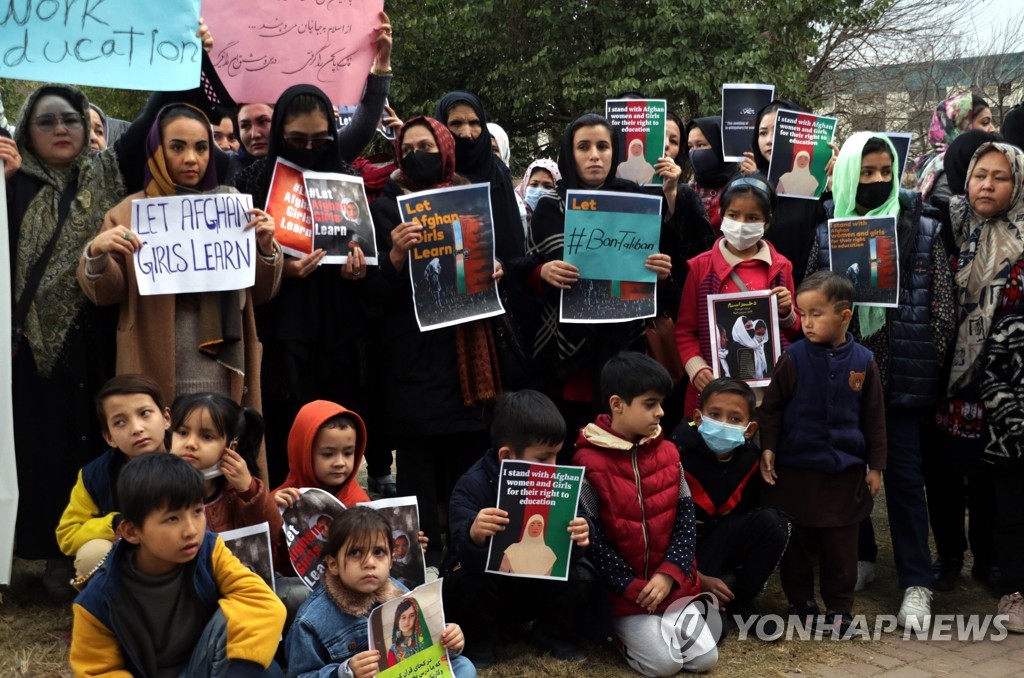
x=567, y=157
x=476, y=161
x=327, y=160
x=711, y=126
x=1013, y=126
x=786, y=104
x=958, y=157
x=681, y=155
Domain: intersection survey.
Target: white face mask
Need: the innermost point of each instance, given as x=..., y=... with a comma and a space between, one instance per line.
x=742, y=235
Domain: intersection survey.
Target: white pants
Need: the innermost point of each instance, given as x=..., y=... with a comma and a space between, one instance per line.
x=647, y=651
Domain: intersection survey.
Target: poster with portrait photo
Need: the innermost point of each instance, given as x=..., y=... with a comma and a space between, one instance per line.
x=407, y=563
x=341, y=216
x=640, y=125
x=607, y=301
x=866, y=251
x=452, y=267
x=745, y=338
x=406, y=631
x=251, y=545
x=345, y=114
x=740, y=104
x=800, y=153
x=306, y=524
x=540, y=500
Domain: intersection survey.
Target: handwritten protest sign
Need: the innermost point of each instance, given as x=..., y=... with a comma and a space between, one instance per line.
x=403, y=514
x=8, y=464
x=800, y=152
x=407, y=632
x=306, y=523
x=125, y=44
x=866, y=250
x=265, y=46
x=640, y=124
x=745, y=335
x=341, y=216
x=251, y=545
x=194, y=243
x=609, y=236
x=740, y=104
x=901, y=141
x=451, y=268
x=540, y=500
x=287, y=204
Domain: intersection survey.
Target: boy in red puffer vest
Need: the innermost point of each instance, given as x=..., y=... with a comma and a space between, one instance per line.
x=642, y=528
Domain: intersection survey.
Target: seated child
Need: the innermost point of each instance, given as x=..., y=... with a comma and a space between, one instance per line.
x=823, y=436
x=171, y=599
x=526, y=426
x=329, y=635
x=642, y=532
x=325, y=447
x=739, y=544
x=221, y=440
x=133, y=421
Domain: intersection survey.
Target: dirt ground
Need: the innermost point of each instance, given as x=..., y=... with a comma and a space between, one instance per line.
x=35, y=634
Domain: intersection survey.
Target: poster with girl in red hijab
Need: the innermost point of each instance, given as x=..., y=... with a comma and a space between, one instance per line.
x=800, y=152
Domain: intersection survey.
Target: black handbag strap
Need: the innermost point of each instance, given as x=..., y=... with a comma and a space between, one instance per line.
x=35, y=276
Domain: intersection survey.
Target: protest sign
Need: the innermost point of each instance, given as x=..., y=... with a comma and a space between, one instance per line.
x=745, y=336
x=407, y=632
x=306, y=523
x=540, y=500
x=451, y=268
x=125, y=44
x=407, y=564
x=287, y=204
x=194, y=243
x=608, y=236
x=866, y=250
x=640, y=124
x=346, y=113
x=341, y=216
x=740, y=104
x=8, y=465
x=251, y=545
x=901, y=141
x=327, y=43
x=800, y=152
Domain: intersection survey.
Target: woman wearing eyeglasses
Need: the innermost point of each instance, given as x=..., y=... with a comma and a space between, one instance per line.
x=315, y=333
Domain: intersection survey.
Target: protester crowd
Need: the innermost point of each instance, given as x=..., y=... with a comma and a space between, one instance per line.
x=693, y=484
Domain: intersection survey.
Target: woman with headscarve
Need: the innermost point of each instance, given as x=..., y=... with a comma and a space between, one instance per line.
x=955, y=162
x=499, y=143
x=531, y=554
x=951, y=118
x=710, y=171
x=410, y=634
x=439, y=384
x=539, y=180
x=909, y=344
x=988, y=228
x=799, y=180
x=188, y=343
x=796, y=219
x=635, y=168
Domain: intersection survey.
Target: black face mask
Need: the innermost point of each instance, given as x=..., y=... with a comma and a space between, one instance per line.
x=873, y=195
x=306, y=158
x=422, y=167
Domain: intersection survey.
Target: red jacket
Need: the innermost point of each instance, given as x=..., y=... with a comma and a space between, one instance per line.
x=645, y=524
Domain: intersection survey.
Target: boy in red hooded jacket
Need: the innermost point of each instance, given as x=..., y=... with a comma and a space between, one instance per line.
x=642, y=528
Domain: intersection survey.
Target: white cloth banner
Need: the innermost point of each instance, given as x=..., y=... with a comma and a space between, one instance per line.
x=8, y=465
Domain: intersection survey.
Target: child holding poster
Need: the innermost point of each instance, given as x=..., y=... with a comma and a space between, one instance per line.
x=526, y=427
x=909, y=344
x=640, y=512
x=740, y=261
x=186, y=342
x=330, y=632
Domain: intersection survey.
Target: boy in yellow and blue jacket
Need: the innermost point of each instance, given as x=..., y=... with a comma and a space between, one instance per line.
x=170, y=598
x=133, y=421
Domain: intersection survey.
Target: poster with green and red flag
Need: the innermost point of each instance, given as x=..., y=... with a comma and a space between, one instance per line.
x=540, y=500
x=452, y=267
x=640, y=124
x=800, y=152
x=866, y=251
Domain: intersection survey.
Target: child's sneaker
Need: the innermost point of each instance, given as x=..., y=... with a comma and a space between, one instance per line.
x=916, y=610
x=836, y=625
x=865, y=574
x=1012, y=605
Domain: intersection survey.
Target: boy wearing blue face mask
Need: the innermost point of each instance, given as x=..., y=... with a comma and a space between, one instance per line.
x=738, y=543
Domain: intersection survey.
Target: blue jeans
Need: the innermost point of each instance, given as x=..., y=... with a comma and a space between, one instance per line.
x=904, y=496
x=210, y=658
x=462, y=667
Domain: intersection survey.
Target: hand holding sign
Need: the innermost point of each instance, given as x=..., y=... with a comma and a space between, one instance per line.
x=118, y=240
x=9, y=156
x=264, y=226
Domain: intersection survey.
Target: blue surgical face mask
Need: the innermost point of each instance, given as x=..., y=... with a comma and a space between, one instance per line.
x=721, y=438
x=535, y=193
